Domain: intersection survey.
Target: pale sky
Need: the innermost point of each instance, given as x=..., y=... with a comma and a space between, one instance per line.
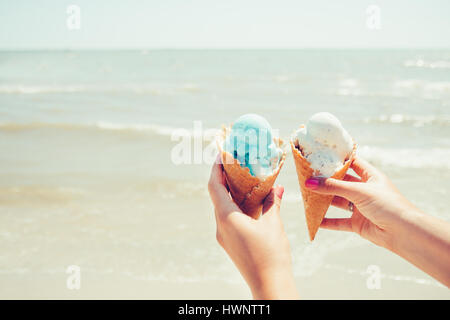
x=147, y=24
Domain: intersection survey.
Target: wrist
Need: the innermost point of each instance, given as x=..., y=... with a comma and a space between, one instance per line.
x=400, y=233
x=274, y=284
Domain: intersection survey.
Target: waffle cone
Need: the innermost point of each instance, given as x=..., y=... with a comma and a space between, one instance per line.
x=248, y=192
x=316, y=205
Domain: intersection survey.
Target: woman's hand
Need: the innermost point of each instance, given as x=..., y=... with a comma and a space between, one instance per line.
x=383, y=216
x=259, y=248
x=379, y=208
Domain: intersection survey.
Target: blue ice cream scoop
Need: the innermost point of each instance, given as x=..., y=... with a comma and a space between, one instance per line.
x=251, y=143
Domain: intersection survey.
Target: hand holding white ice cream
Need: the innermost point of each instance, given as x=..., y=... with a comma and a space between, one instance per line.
x=324, y=143
x=321, y=148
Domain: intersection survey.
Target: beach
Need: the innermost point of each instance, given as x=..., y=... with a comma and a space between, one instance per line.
x=87, y=176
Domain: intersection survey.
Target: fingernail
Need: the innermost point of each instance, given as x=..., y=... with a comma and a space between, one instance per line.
x=312, y=183
x=279, y=191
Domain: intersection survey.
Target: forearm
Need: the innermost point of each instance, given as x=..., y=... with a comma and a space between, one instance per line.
x=275, y=285
x=424, y=241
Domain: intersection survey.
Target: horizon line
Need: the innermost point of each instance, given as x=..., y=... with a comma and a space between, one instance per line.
x=217, y=48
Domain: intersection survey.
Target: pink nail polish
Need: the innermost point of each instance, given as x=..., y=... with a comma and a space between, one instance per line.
x=279, y=191
x=312, y=183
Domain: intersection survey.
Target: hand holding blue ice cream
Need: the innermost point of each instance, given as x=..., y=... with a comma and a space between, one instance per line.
x=252, y=159
x=251, y=143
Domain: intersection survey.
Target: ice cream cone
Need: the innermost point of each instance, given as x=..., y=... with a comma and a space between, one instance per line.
x=248, y=192
x=316, y=205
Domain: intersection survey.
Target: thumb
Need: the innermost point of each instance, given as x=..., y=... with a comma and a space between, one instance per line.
x=345, y=189
x=273, y=200
x=279, y=191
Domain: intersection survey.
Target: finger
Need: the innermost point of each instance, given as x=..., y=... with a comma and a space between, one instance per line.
x=224, y=178
x=218, y=192
x=225, y=183
x=340, y=224
x=217, y=171
x=269, y=201
x=340, y=202
x=349, y=177
x=345, y=189
x=216, y=215
x=364, y=169
x=272, y=203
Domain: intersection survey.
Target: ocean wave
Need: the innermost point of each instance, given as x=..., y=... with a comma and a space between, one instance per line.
x=407, y=157
x=171, y=189
x=349, y=87
x=85, y=88
x=170, y=276
x=398, y=88
x=31, y=195
x=420, y=63
x=206, y=134
x=413, y=120
x=153, y=128
x=34, y=89
x=162, y=188
x=156, y=129
x=393, y=277
x=400, y=157
x=13, y=127
x=425, y=89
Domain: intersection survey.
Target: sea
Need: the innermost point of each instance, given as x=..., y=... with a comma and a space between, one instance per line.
x=91, y=178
